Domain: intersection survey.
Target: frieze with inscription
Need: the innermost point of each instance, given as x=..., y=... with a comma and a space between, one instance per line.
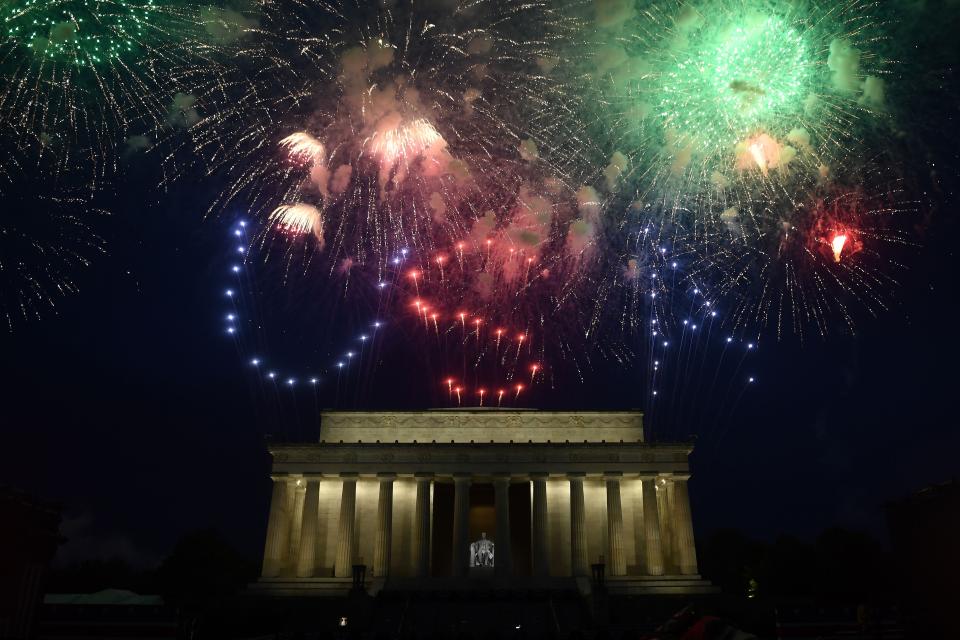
x=479, y=458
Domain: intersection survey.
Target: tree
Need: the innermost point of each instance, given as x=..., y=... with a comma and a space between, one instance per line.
x=203, y=568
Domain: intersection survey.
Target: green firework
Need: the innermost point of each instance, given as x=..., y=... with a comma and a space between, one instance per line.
x=82, y=32
x=77, y=77
x=733, y=79
x=682, y=84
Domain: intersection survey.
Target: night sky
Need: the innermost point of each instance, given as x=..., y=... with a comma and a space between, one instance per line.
x=134, y=410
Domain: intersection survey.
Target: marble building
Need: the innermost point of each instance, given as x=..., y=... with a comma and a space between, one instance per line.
x=405, y=494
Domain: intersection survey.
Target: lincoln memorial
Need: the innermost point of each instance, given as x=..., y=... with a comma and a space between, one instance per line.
x=454, y=498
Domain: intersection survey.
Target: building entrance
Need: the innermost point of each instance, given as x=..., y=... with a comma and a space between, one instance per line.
x=481, y=520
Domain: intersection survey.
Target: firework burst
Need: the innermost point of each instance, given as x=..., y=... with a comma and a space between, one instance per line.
x=525, y=186
x=688, y=86
x=724, y=123
x=79, y=77
x=801, y=257
x=359, y=138
x=399, y=125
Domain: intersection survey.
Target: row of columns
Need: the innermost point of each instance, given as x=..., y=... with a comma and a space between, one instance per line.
x=668, y=498
x=294, y=509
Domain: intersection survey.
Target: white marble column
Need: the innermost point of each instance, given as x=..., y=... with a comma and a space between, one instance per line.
x=278, y=528
x=421, y=526
x=288, y=561
x=502, y=551
x=295, y=522
x=683, y=525
x=665, y=511
x=651, y=527
x=579, y=565
x=310, y=507
x=461, y=524
x=343, y=567
x=616, y=557
x=381, y=553
x=539, y=527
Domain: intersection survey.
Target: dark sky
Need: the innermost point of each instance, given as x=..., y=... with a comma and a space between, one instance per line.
x=133, y=409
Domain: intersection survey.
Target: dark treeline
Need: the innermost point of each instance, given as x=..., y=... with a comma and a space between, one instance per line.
x=839, y=566
x=202, y=568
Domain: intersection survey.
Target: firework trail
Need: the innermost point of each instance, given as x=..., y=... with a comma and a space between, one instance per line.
x=49, y=234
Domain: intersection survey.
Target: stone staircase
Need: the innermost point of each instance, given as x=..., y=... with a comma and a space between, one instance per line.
x=659, y=585
x=302, y=587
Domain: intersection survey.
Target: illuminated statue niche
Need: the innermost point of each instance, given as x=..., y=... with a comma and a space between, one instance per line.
x=481, y=552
